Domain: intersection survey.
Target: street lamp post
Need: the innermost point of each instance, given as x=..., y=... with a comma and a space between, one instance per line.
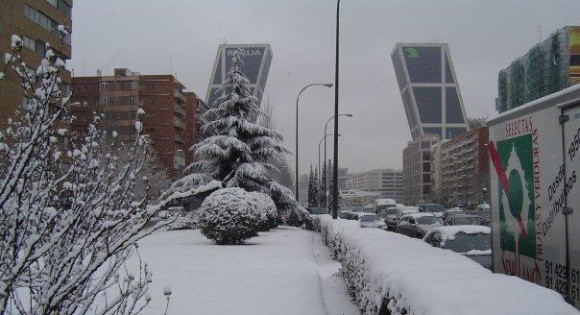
x=335, y=166
x=296, y=148
x=326, y=132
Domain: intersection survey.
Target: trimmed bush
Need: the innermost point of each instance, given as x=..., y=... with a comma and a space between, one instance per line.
x=266, y=209
x=229, y=216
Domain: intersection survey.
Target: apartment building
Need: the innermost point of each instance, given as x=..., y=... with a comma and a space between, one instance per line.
x=465, y=168
x=417, y=170
x=387, y=183
x=169, y=117
x=37, y=23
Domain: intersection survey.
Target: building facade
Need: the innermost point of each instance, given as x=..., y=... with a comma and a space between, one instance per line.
x=37, y=23
x=429, y=90
x=257, y=60
x=386, y=183
x=465, y=168
x=417, y=170
x=548, y=67
x=169, y=117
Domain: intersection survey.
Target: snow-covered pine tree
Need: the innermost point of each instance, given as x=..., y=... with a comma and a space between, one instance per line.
x=238, y=150
x=316, y=188
x=311, y=189
x=322, y=194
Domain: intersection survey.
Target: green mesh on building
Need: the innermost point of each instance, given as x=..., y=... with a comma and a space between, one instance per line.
x=542, y=71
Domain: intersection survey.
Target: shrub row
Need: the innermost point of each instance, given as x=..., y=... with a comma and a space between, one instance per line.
x=389, y=273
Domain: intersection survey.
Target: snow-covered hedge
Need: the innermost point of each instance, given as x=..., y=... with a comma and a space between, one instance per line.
x=230, y=216
x=389, y=273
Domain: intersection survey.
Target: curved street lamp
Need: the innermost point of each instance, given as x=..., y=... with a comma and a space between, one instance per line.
x=296, y=148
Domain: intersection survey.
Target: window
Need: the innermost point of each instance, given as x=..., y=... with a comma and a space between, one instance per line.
x=40, y=47
x=29, y=43
x=453, y=112
x=429, y=103
x=423, y=63
x=102, y=100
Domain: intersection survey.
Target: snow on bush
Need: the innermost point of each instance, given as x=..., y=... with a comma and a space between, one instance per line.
x=68, y=225
x=266, y=208
x=229, y=216
x=389, y=273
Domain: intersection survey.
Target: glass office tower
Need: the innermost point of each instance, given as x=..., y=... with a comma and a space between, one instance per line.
x=257, y=59
x=429, y=89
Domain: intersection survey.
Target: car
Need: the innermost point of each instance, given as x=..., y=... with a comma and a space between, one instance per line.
x=402, y=210
x=483, y=210
x=472, y=241
x=417, y=224
x=464, y=219
x=435, y=208
x=370, y=220
x=449, y=212
x=317, y=210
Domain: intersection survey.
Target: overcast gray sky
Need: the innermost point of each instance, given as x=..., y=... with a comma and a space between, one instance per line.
x=153, y=37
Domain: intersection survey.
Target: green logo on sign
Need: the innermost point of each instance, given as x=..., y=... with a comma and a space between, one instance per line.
x=412, y=53
x=517, y=204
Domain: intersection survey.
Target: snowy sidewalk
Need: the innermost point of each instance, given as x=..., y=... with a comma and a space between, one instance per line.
x=284, y=271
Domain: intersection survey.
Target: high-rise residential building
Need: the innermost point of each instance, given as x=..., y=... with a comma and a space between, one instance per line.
x=465, y=168
x=417, y=170
x=429, y=89
x=387, y=183
x=169, y=117
x=257, y=59
x=548, y=67
x=37, y=23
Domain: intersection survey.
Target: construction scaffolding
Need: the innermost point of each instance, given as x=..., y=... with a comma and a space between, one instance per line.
x=548, y=67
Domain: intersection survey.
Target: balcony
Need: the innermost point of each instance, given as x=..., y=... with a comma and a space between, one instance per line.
x=177, y=94
x=177, y=122
x=179, y=138
x=179, y=160
x=177, y=108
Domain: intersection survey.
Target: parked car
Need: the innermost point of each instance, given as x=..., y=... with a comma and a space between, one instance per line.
x=449, y=212
x=435, y=208
x=417, y=224
x=348, y=215
x=317, y=210
x=402, y=210
x=370, y=220
x=483, y=210
x=473, y=241
x=464, y=219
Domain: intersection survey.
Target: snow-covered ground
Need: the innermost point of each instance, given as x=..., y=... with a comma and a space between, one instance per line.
x=284, y=271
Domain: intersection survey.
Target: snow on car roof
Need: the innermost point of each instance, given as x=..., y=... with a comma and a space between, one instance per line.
x=449, y=232
x=417, y=215
x=382, y=202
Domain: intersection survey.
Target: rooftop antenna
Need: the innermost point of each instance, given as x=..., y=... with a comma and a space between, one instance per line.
x=540, y=32
x=170, y=65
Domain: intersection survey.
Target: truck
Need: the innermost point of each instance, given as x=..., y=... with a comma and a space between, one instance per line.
x=534, y=166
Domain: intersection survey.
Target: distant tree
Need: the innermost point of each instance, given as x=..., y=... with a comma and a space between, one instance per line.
x=316, y=187
x=323, y=186
x=331, y=189
x=476, y=122
x=312, y=202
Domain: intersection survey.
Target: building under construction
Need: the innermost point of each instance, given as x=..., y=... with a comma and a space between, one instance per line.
x=548, y=67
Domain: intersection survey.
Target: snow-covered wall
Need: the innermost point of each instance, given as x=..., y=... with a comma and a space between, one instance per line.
x=407, y=276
